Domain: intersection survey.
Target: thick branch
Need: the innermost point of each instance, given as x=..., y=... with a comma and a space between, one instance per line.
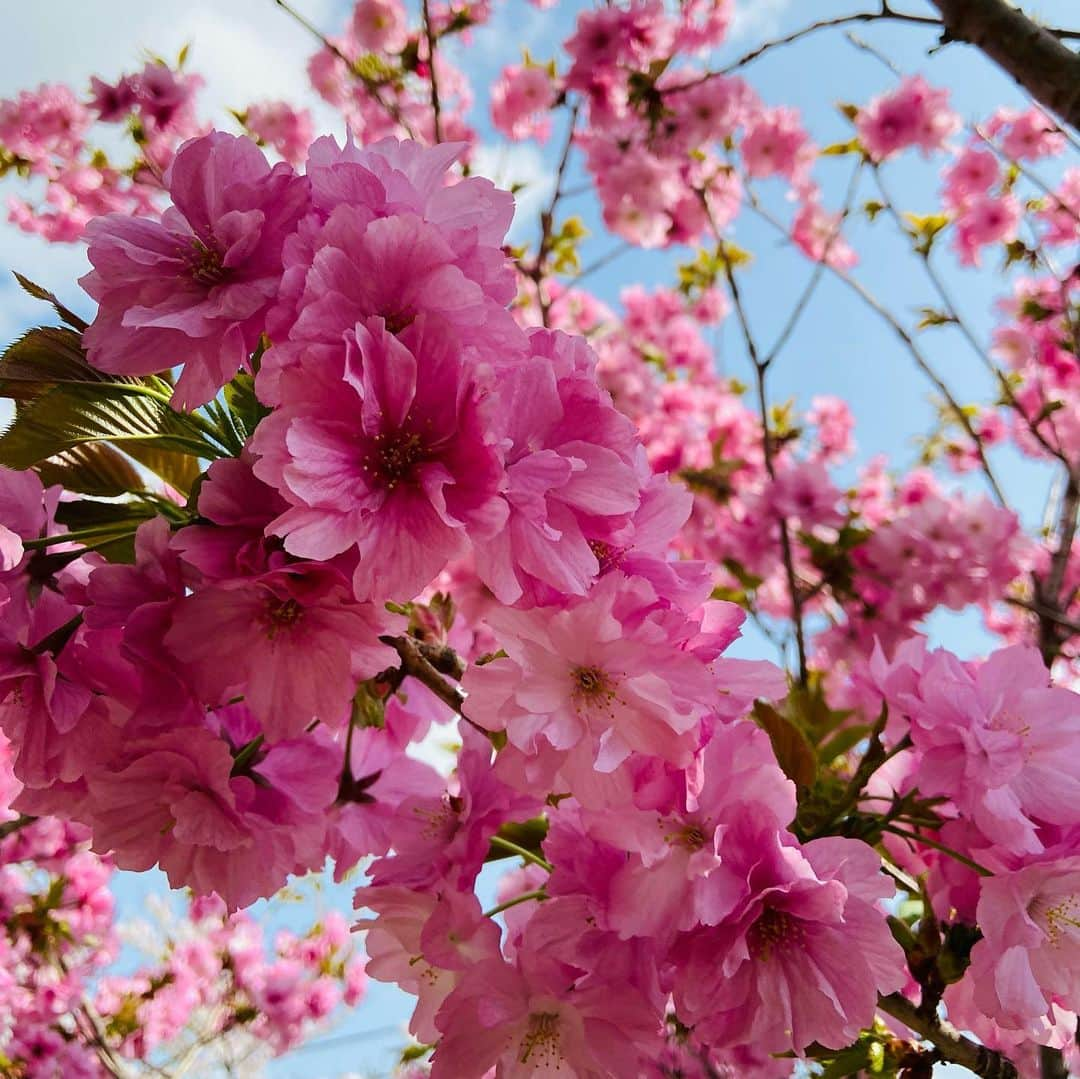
x=1032, y=55
x=951, y=1045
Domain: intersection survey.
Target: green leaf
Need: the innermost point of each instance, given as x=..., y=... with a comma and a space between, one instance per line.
x=40, y=293
x=1047, y=411
x=179, y=469
x=933, y=317
x=842, y=742
x=847, y=1062
x=838, y=149
x=872, y=208
x=68, y=416
x=528, y=834
x=86, y=513
x=106, y=527
x=91, y=469
x=793, y=751
x=42, y=359
x=924, y=229
x=246, y=409
x=748, y=580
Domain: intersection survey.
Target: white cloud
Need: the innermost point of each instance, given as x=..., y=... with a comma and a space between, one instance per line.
x=757, y=18
x=507, y=164
x=245, y=50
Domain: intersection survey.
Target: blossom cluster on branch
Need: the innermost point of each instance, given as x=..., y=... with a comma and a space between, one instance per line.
x=210, y=994
x=334, y=471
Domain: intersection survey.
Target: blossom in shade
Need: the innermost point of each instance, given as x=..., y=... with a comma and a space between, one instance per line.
x=293, y=642
x=570, y=474
x=422, y=941
x=803, y=955
x=601, y=674
x=530, y=1019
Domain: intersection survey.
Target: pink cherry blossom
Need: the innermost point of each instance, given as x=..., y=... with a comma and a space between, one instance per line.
x=196, y=285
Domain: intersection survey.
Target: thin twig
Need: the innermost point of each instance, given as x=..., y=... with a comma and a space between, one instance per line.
x=905, y=336
x=761, y=367
x=537, y=270
x=819, y=269
x=392, y=109
x=885, y=12
x=433, y=78
x=10, y=827
x=953, y=312
x=415, y=664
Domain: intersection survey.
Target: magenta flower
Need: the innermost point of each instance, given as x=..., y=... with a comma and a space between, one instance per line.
x=383, y=451
x=193, y=288
x=532, y=1020
x=570, y=475
x=601, y=674
x=801, y=958
x=293, y=642
x=422, y=941
x=177, y=800
x=677, y=876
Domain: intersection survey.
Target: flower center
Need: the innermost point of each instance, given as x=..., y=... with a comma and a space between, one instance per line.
x=691, y=836
x=542, y=1039
x=1060, y=919
x=394, y=457
x=281, y=614
x=591, y=683
x=605, y=554
x=396, y=321
x=775, y=928
x=439, y=824
x=205, y=263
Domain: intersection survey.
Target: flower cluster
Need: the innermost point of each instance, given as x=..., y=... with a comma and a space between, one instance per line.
x=335, y=475
x=65, y=1013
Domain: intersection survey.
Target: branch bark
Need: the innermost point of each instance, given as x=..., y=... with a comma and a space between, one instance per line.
x=951, y=1045
x=1031, y=54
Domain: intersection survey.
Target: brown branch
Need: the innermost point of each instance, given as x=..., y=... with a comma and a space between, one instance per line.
x=538, y=269
x=1048, y=591
x=1034, y=56
x=417, y=665
x=1052, y=1063
x=950, y=1044
x=969, y=335
x=433, y=78
x=908, y=340
x=391, y=108
x=884, y=12
x=761, y=368
x=10, y=827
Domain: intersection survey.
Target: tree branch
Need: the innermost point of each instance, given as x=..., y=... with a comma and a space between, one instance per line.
x=416, y=664
x=1035, y=57
x=951, y=1045
x=10, y=827
x=433, y=78
x=884, y=12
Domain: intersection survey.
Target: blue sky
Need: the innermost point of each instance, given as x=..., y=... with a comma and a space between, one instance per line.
x=249, y=50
